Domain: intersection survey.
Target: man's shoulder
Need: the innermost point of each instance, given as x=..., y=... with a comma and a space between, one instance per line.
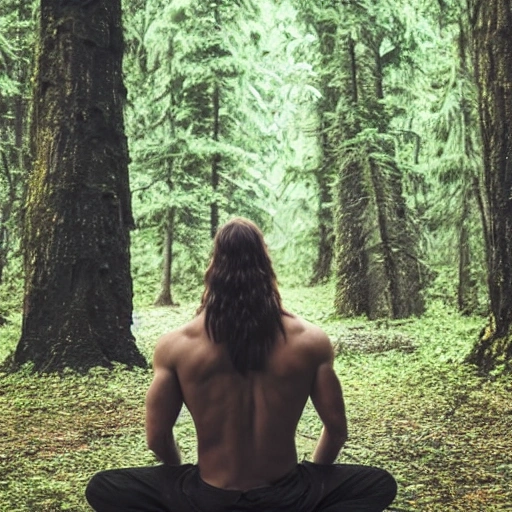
x=296, y=325
x=308, y=335
x=173, y=343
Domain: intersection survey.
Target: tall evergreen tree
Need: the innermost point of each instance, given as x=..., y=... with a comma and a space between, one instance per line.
x=78, y=296
x=378, y=269
x=323, y=19
x=449, y=165
x=492, y=35
x=184, y=72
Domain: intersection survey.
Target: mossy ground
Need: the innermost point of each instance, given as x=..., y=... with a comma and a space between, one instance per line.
x=422, y=414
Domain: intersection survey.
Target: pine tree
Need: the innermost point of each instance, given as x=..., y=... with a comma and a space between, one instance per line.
x=378, y=269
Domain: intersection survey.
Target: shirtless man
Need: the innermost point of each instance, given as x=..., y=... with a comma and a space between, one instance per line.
x=244, y=368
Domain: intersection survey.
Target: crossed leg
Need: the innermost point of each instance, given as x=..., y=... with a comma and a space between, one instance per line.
x=354, y=488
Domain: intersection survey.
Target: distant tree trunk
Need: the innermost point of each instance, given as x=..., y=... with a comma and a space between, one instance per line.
x=216, y=158
x=351, y=259
x=165, y=296
x=466, y=292
x=326, y=30
x=6, y=209
x=493, y=66
x=214, y=207
x=14, y=157
x=387, y=236
x=78, y=289
x=322, y=267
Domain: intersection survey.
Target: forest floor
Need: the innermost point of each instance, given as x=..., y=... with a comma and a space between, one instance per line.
x=413, y=407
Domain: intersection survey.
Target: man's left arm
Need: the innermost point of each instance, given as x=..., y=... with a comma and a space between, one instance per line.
x=163, y=404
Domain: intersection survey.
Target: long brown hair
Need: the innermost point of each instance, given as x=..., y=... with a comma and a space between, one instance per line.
x=241, y=301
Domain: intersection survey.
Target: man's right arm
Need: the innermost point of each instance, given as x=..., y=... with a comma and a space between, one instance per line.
x=327, y=398
x=163, y=404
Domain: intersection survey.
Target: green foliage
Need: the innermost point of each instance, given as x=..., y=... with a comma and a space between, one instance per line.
x=9, y=335
x=177, y=55
x=16, y=40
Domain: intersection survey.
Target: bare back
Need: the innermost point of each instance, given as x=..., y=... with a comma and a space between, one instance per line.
x=246, y=425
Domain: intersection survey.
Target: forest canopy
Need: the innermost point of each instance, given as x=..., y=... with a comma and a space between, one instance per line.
x=365, y=140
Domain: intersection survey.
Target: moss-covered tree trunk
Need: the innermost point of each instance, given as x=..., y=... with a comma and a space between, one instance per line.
x=351, y=231
x=351, y=259
x=323, y=263
x=493, y=65
x=78, y=295
x=378, y=272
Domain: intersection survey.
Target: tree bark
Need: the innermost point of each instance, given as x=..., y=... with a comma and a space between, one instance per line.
x=352, y=293
x=78, y=288
x=390, y=291
x=322, y=267
x=493, y=66
x=351, y=234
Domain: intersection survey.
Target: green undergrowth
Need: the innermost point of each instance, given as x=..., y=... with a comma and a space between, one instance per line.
x=414, y=408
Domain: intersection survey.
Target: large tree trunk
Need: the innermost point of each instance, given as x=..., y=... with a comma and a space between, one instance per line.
x=493, y=66
x=377, y=268
x=386, y=286
x=351, y=260
x=78, y=291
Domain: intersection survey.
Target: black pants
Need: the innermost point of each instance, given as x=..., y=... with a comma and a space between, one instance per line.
x=309, y=488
